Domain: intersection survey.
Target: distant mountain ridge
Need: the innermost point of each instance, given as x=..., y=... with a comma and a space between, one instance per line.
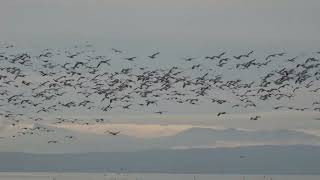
x=190, y=138
x=235, y=134
x=295, y=159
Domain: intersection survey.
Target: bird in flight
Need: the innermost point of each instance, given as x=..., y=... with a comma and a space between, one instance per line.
x=255, y=118
x=160, y=112
x=154, y=55
x=218, y=56
x=131, y=58
x=221, y=113
x=116, y=50
x=189, y=59
x=243, y=55
x=113, y=133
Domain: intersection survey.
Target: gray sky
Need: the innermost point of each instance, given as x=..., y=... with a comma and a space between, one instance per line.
x=176, y=25
x=177, y=28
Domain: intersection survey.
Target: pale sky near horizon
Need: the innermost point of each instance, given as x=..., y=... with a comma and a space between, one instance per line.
x=176, y=28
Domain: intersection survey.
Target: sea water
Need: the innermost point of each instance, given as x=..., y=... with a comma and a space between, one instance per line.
x=137, y=176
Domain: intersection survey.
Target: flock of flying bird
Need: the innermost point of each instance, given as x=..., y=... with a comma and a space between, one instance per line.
x=78, y=79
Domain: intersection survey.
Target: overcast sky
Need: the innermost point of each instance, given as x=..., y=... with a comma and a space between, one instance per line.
x=180, y=25
x=177, y=28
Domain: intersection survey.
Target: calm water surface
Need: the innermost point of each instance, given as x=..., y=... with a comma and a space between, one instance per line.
x=112, y=176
